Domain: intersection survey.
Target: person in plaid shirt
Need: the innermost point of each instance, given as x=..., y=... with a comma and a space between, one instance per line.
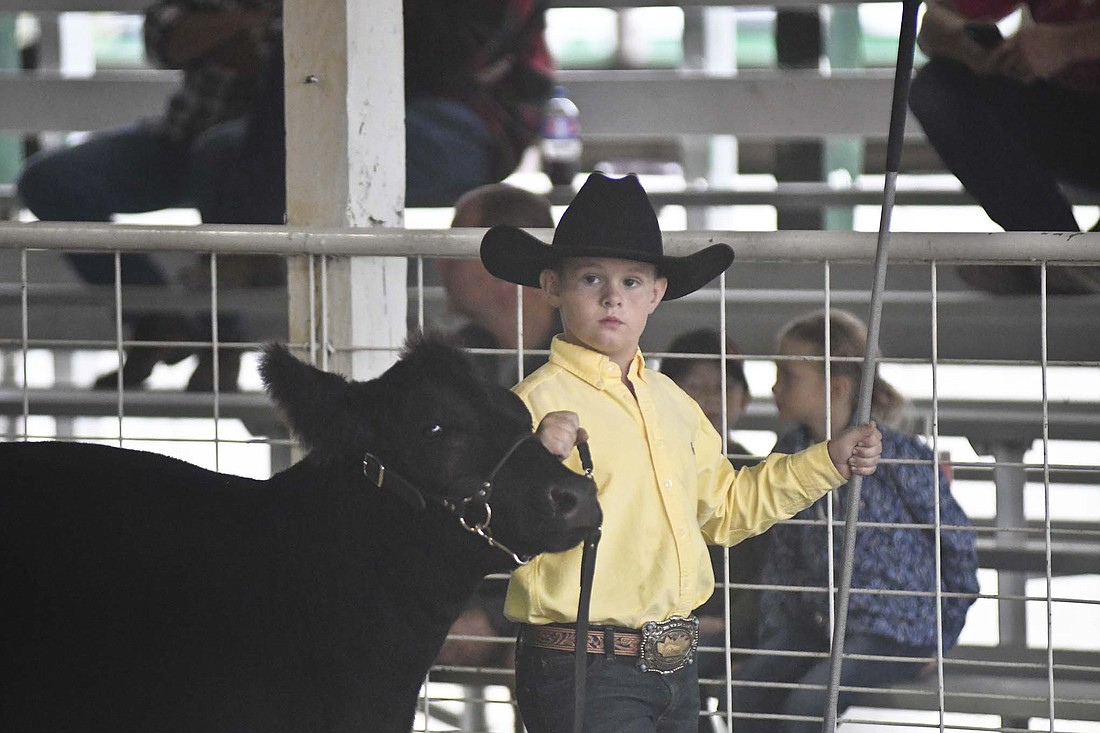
x=157, y=163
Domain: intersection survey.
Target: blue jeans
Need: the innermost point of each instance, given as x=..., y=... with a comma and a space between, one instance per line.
x=448, y=151
x=133, y=169
x=233, y=174
x=125, y=170
x=1009, y=143
x=813, y=671
x=620, y=698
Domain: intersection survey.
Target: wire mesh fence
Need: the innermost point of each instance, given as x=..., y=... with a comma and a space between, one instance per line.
x=1003, y=391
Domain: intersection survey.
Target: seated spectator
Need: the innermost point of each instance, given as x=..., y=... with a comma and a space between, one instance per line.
x=165, y=162
x=702, y=380
x=490, y=305
x=1014, y=119
x=477, y=77
x=901, y=626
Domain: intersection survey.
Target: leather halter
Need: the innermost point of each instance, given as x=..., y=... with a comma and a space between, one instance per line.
x=588, y=572
x=388, y=479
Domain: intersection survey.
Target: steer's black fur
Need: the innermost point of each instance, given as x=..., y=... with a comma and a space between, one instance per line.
x=141, y=593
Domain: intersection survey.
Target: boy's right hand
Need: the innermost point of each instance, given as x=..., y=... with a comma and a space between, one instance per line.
x=560, y=431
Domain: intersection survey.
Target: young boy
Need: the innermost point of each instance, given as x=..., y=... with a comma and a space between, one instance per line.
x=665, y=487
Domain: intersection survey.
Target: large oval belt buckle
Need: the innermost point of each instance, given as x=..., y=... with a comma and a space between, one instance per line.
x=669, y=645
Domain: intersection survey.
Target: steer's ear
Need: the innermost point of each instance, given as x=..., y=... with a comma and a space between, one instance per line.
x=314, y=403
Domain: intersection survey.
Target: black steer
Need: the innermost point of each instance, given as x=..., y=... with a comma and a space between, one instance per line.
x=141, y=593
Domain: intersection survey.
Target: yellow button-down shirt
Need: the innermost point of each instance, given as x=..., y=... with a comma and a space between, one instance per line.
x=666, y=490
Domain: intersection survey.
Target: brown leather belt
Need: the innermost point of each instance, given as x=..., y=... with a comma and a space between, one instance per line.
x=661, y=646
x=563, y=638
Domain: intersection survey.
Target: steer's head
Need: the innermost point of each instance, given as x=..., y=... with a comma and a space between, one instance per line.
x=435, y=434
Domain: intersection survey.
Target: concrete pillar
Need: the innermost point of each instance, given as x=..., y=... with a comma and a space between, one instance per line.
x=11, y=158
x=720, y=57
x=696, y=152
x=1009, y=481
x=843, y=45
x=798, y=45
x=802, y=37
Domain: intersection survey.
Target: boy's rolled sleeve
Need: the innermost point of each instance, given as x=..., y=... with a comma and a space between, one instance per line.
x=742, y=503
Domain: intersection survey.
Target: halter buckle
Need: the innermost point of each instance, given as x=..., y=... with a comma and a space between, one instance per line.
x=371, y=462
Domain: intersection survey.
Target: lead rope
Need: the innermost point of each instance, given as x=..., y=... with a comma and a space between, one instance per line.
x=588, y=570
x=906, y=45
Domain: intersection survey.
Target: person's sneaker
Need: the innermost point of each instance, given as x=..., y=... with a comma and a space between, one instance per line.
x=136, y=368
x=229, y=366
x=140, y=360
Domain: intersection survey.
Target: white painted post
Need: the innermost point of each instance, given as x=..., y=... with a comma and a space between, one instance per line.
x=346, y=168
x=77, y=50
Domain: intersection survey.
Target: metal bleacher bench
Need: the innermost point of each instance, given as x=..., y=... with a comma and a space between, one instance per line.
x=618, y=106
x=1002, y=681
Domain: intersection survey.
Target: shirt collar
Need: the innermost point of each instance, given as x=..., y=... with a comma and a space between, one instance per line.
x=592, y=366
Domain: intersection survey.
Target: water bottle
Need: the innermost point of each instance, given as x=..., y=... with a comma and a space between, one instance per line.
x=561, y=139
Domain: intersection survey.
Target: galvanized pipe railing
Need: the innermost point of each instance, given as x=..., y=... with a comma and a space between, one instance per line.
x=786, y=246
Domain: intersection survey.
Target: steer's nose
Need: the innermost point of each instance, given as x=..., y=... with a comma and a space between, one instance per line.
x=574, y=500
x=565, y=499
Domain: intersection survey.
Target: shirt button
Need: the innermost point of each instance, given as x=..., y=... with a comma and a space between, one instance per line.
x=668, y=483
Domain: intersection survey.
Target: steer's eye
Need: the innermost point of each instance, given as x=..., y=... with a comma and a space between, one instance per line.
x=434, y=430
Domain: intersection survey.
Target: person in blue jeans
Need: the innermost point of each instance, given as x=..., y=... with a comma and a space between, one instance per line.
x=898, y=625
x=168, y=161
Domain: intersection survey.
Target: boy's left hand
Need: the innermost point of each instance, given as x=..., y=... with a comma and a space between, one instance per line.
x=856, y=450
x=560, y=431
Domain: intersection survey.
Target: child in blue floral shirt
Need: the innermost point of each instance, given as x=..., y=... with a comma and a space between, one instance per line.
x=886, y=558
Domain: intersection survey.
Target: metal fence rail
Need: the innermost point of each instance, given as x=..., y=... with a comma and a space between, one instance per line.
x=786, y=246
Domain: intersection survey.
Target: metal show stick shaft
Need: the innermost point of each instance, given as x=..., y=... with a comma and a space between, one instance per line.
x=902, y=73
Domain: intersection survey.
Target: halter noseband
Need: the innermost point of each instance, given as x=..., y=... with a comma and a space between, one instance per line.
x=376, y=473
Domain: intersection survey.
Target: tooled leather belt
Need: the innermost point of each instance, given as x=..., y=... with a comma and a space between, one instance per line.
x=564, y=639
x=661, y=646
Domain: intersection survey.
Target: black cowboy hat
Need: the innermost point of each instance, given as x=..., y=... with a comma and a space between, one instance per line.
x=609, y=217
